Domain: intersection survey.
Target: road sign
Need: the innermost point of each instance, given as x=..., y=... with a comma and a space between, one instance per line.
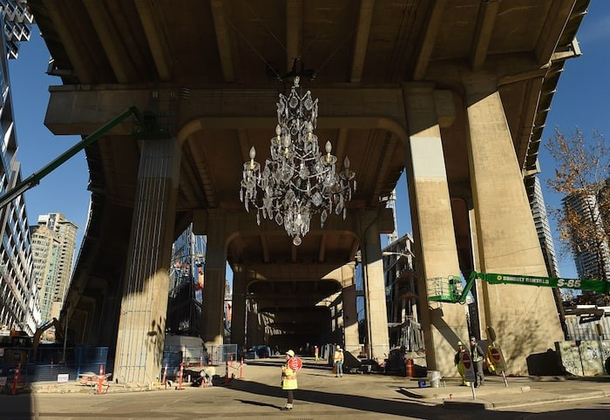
x=295, y=363
x=468, y=370
x=494, y=357
x=466, y=360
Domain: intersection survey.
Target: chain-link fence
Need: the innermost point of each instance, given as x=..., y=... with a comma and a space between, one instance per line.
x=196, y=358
x=47, y=363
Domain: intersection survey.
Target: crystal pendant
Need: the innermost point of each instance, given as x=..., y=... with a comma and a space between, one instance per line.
x=308, y=102
x=339, y=207
x=323, y=217
x=317, y=199
x=297, y=240
x=293, y=101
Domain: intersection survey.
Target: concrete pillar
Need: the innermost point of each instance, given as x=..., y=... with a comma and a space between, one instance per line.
x=378, y=345
x=215, y=279
x=253, y=335
x=524, y=317
x=144, y=304
x=435, y=242
x=238, y=319
x=350, y=312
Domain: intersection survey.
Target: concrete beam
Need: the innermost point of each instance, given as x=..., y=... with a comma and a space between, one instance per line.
x=82, y=110
x=426, y=46
x=556, y=21
x=82, y=66
x=362, y=39
x=484, y=30
x=245, y=223
x=223, y=40
x=113, y=45
x=157, y=43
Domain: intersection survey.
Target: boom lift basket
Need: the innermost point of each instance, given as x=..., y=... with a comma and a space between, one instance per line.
x=444, y=289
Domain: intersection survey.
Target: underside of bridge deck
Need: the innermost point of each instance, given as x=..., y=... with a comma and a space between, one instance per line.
x=210, y=73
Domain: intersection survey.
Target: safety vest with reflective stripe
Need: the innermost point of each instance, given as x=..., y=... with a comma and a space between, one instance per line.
x=289, y=378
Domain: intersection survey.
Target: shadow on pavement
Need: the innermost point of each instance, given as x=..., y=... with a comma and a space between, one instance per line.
x=259, y=404
x=355, y=402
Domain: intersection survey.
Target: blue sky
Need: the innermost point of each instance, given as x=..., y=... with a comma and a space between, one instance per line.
x=581, y=101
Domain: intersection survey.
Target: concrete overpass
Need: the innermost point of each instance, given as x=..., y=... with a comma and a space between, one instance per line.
x=455, y=92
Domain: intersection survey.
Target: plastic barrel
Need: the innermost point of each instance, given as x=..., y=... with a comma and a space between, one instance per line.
x=435, y=379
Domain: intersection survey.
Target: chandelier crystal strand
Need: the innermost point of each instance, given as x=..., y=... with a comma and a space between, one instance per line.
x=298, y=180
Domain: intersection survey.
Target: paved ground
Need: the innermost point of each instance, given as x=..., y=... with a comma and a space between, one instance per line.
x=321, y=396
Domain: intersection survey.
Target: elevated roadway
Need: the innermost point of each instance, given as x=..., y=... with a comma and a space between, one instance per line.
x=454, y=92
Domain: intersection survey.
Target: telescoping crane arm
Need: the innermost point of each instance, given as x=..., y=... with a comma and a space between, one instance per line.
x=451, y=289
x=35, y=178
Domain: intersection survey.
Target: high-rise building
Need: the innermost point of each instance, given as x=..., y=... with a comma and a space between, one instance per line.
x=18, y=292
x=543, y=227
x=186, y=284
x=402, y=295
x=592, y=260
x=53, y=247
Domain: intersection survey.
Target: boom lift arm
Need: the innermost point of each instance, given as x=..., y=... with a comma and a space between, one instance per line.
x=35, y=178
x=451, y=291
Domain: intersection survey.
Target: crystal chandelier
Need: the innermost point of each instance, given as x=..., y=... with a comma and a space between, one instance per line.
x=298, y=180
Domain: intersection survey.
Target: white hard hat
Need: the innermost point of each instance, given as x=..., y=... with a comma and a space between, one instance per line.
x=290, y=353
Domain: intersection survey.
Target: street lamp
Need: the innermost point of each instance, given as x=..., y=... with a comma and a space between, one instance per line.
x=407, y=253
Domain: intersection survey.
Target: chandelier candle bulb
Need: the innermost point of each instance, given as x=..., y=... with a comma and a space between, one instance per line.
x=298, y=181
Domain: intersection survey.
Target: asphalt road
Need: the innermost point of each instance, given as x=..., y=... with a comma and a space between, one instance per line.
x=257, y=396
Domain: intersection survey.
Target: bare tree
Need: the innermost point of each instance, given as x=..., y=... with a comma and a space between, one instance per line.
x=582, y=176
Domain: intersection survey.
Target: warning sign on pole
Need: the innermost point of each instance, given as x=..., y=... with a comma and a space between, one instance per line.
x=468, y=370
x=495, y=358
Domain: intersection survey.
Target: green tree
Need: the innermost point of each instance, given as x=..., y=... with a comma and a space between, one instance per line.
x=582, y=176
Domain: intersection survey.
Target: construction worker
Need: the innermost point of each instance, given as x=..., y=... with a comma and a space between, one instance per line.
x=338, y=362
x=457, y=360
x=289, y=381
x=477, y=360
x=316, y=353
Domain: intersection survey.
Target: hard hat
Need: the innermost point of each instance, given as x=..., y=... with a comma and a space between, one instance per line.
x=460, y=343
x=290, y=353
x=338, y=347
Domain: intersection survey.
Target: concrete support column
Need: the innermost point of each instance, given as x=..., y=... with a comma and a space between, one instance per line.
x=350, y=312
x=433, y=231
x=144, y=304
x=378, y=345
x=524, y=317
x=238, y=319
x=215, y=279
x=255, y=333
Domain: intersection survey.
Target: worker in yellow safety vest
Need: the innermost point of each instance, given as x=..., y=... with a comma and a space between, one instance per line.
x=338, y=362
x=289, y=381
x=457, y=360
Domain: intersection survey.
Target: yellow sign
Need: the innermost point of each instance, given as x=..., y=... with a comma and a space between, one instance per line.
x=495, y=359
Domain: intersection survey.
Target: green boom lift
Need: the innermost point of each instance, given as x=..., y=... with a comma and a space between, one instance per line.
x=449, y=289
